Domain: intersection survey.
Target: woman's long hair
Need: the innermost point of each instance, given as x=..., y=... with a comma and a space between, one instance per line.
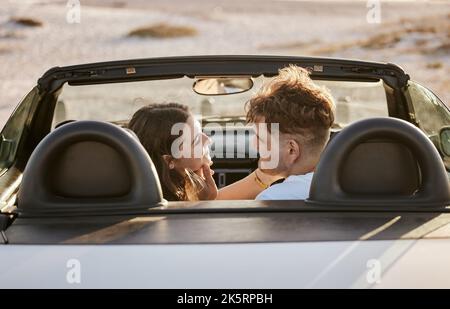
x=152, y=124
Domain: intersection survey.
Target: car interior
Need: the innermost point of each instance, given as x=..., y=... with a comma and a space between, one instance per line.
x=349, y=197
x=380, y=157
x=83, y=162
x=375, y=159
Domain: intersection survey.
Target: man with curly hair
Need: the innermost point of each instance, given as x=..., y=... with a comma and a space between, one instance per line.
x=304, y=114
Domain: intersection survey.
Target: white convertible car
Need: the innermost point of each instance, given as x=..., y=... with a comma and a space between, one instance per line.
x=81, y=203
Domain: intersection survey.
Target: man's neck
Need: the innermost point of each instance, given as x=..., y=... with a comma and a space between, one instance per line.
x=302, y=169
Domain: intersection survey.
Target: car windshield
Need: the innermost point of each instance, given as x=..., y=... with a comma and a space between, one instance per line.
x=118, y=101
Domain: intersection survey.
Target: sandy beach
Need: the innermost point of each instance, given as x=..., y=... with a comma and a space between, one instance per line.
x=412, y=34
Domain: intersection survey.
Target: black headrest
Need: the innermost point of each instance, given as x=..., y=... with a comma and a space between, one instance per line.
x=89, y=166
x=380, y=162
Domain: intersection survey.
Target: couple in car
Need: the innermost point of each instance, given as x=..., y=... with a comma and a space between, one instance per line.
x=303, y=113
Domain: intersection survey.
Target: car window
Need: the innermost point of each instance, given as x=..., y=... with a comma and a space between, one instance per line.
x=430, y=112
x=118, y=101
x=13, y=130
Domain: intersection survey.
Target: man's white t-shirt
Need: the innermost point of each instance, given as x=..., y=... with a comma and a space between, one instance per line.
x=295, y=187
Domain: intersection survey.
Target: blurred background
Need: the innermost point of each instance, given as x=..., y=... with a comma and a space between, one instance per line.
x=36, y=35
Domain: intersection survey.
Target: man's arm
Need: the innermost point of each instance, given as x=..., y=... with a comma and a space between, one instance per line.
x=247, y=188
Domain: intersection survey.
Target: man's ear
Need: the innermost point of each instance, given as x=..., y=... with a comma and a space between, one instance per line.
x=169, y=160
x=294, y=150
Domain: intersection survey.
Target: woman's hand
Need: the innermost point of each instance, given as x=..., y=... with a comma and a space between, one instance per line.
x=210, y=191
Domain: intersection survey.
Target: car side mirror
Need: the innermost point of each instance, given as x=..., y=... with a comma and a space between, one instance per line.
x=444, y=138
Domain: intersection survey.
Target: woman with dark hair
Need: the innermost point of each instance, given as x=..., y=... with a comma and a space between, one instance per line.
x=183, y=177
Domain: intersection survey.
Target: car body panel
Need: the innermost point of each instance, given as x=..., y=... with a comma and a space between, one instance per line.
x=344, y=264
x=233, y=222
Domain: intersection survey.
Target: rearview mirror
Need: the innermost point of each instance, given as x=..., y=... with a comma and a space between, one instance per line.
x=444, y=137
x=222, y=85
